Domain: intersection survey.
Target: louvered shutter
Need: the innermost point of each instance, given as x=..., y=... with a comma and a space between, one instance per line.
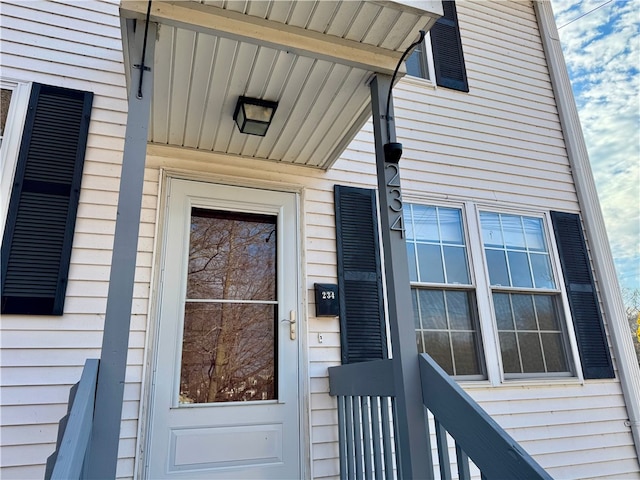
x=448, y=59
x=36, y=246
x=362, y=321
x=583, y=299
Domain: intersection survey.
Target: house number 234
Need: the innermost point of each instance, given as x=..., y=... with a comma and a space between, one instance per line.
x=394, y=199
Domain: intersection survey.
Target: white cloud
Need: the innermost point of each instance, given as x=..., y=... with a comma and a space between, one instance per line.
x=602, y=51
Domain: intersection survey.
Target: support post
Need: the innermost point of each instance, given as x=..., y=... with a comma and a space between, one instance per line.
x=414, y=454
x=103, y=455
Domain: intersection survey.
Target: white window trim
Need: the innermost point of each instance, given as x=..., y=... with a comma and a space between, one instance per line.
x=12, y=137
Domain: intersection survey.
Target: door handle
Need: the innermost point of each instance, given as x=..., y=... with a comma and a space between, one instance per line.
x=292, y=324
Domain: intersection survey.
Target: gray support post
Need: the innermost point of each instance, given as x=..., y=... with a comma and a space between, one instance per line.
x=103, y=456
x=410, y=421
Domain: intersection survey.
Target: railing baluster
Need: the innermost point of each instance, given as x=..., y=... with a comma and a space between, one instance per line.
x=386, y=435
x=367, y=428
x=350, y=437
x=396, y=438
x=342, y=437
x=463, y=464
x=375, y=434
x=430, y=472
x=443, y=451
x=357, y=436
x=366, y=437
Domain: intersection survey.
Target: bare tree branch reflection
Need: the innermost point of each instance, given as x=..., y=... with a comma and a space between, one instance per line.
x=228, y=350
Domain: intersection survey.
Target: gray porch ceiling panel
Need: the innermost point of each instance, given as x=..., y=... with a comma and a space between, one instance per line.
x=313, y=57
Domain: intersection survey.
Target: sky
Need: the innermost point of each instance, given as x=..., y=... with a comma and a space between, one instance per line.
x=601, y=44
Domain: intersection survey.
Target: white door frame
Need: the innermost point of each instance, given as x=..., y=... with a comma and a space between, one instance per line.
x=146, y=405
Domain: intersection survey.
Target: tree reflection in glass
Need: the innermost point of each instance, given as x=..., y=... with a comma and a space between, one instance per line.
x=228, y=346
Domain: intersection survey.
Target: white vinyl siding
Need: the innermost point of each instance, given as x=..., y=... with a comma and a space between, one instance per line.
x=75, y=45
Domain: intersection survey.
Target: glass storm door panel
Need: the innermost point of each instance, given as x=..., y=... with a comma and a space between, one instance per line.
x=224, y=401
x=230, y=317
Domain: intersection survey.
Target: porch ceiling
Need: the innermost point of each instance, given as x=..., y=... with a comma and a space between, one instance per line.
x=314, y=57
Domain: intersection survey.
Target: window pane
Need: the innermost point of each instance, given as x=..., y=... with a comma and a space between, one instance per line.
x=458, y=308
x=534, y=234
x=531, y=353
x=491, y=231
x=416, y=312
x=545, y=308
x=533, y=326
x=5, y=100
x=554, y=353
x=425, y=223
x=437, y=345
x=513, y=232
x=430, y=263
x=448, y=321
x=455, y=259
x=411, y=256
x=408, y=223
x=523, y=312
x=232, y=256
x=451, y=225
x=519, y=266
x=413, y=64
x=509, y=350
x=542, y=275
x=228, y=353
x=465, y=352
x=432, y=309
x=502, y=305
x=419, y=342
x=498, y=274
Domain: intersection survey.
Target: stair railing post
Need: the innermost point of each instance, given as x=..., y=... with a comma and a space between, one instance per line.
x=413, y=455
x=103, y=454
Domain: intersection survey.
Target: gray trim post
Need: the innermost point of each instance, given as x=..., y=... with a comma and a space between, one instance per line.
x=414, y=454
x=103, y=455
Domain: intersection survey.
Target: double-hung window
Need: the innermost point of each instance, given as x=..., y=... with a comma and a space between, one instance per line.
x=439, y=58
x=525, y=295
x=497, y=294
x=442, y=290
x=520, y=314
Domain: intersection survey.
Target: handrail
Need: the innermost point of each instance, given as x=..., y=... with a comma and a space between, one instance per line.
x=493, y=451
x=369, y=450
x=73, y=446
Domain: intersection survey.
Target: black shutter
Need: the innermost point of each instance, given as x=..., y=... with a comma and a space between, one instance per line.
x=583, y=299
x=448, y=59
x=36, y=247
x=362, y=321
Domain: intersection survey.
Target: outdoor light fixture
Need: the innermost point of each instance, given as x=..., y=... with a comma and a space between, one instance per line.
x=253, y=116
x=392, y=152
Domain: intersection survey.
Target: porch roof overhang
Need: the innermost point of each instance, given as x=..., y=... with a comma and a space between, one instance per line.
x=314, y=57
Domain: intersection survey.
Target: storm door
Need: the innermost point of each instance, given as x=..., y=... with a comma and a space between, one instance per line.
x=225, y=387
